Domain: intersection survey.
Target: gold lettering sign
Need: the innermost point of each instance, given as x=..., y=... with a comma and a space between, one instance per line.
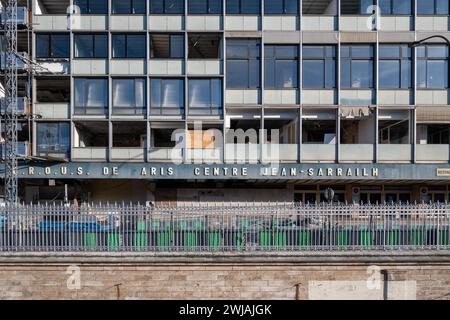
x=443, y=172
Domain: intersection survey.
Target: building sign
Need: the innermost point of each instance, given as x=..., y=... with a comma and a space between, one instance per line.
x=229, y=171
x=443, y=172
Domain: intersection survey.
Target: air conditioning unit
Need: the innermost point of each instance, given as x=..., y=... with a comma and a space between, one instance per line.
x=22, y=16
x=23, y=105
x=20, y=61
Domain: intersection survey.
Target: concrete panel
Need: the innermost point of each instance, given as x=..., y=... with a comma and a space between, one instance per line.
x=204, y=23
x=391, y=97
x=357, y=97
x=319, y=23
x=436, y=23
x=286, y=96
x=355, y=23
x=128, y=23
x=52, y=110
x=432, y=153
x=166, y=67
x=394, y=153
x=89, y=67
x=318, y=152
x=128, y=67
x=128, y=154
x=435, y=97
x=204, y=67
x=242, y=23
x=282, y=37
x=165, y=23
x=280, y=23
x=320, y=37
x=89, y=154
x=356, y=153
x=236, y=96
x=395, y=23
x=93, y=23
x=318, y=97
x=50, y=22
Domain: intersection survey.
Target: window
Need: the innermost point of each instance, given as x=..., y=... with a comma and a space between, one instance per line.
x=243, y=6
x=395, y=66
x=53, y=46
x=91, y=96
x=432, y=7
x=281, y=66
x=205, y=6
x=359, y=7
x=323, y=7
x=395, y=7
x=167, y=46
x=167, y=7
x=129, y=46
x=281, y=7
x=204, y=45
x=129, y=96
x=129, y=7
x=357, y=66
x=167, y=96
x=53, y=137
x=319, y=67
x=91, y=46
x=432, y=66
x=205, y=96
x=243, y=63
x=92, y=6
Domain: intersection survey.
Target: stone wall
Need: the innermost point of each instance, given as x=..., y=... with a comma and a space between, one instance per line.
x=50, y=278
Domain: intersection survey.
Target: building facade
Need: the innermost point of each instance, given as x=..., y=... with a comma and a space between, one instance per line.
x=232, y=100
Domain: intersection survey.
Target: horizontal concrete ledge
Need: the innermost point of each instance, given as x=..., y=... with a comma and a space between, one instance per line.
x=245, y=258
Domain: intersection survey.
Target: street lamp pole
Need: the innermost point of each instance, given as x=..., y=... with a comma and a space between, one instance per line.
x=420, y=42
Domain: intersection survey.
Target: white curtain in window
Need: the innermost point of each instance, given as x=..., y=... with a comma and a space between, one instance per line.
x=90, y=92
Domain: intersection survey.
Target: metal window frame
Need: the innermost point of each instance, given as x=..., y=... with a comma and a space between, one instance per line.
x=297, y=60
x=426, y=59
x=325, y=58
x=247, y=59
x=400, y=59
x=126, y=35
x=351, y=59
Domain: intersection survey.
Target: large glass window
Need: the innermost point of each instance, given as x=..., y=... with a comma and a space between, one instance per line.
x=395, y=7
x=243, y=63
x=92, y=6
x=359, y=7
x=319, y=67
x=395, y=66
x=129, y=6
x=129, y=46
x=53, y=46
x=167, y=97
x=281, y=66
x=281, y=7
x=129, y=96
x=205, y=6
x=243, y=6
x=91, y=96
x=91, y=45
x=432, y=7
x=53, y=137
x=205, y=96
x=167, y=46
x=357, y=66
x=167, y=7
x=432, y=66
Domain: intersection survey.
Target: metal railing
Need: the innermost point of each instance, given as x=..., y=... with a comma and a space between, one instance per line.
x=224, y=228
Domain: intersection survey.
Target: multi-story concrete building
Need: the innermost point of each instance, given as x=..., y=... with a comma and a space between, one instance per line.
x=140, y=100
